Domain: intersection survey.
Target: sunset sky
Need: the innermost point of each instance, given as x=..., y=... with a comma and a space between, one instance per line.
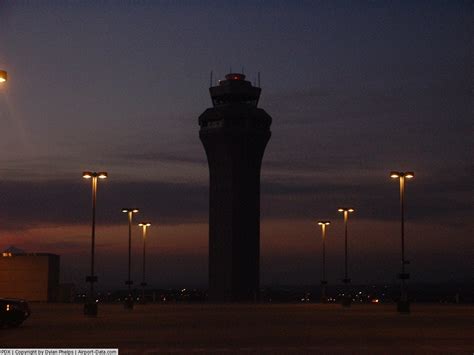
x=355, y=89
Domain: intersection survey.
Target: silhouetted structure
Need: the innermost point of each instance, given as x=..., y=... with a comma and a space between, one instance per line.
x=34, y=277
x=234, y=133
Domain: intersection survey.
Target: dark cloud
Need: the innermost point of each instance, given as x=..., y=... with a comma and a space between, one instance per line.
x=28, y=204
x=188, y=157
x=427, y=198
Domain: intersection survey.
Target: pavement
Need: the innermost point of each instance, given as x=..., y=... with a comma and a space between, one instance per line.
x=249, y=329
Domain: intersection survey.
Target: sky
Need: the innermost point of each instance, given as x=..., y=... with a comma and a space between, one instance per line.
x=355, y=89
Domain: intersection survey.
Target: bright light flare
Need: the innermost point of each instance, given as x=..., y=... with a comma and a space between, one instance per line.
x=144, y=224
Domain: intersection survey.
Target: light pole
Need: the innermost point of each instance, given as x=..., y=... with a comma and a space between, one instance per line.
x=90, y=307
x=403, y=305
x=3, y=76
x=324, y=282
x=144, y=284
x=346, y=300
x=129, y=300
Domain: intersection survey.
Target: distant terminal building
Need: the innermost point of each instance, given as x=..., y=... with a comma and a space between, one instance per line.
x=34, y=277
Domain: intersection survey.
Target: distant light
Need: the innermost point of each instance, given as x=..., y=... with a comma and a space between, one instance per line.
x=410, y=175
x=394, y=175
x=351, y=210
x=87, y=174
x=375, y=300
x=340, y=210
x=102, y=175
x=7, y=308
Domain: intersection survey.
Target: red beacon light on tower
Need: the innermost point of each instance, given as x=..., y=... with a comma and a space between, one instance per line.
x=235, y=76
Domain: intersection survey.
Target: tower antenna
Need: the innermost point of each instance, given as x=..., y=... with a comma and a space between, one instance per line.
x=258, y=75
x=210, y=81
x=243, y=69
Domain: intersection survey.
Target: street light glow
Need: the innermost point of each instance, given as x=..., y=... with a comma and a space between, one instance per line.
x=400, y=174
x=132, y=210
x=3, y=76
x=90, y=174
x=324, y=223
x=144, y=224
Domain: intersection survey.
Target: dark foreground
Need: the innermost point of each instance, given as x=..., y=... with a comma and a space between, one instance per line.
x=250, y=329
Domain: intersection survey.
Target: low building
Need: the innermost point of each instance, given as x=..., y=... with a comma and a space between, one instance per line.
x=34, y=277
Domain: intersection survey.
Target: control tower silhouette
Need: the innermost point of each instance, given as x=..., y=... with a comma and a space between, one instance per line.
x=234, y=133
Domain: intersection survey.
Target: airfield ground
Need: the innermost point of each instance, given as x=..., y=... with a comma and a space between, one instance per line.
x=248, y=329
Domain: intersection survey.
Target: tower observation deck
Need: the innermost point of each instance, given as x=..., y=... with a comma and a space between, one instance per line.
x=234, y=133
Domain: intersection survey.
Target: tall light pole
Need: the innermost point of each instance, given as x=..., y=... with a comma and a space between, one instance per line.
x=346, y=300
x=145, y=227
x=324, y=282
x=403, y=305
x=3, y=76
x=90, y=307
x=129, y=299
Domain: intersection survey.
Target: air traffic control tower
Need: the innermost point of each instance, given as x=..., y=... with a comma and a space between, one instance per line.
x=234, y=133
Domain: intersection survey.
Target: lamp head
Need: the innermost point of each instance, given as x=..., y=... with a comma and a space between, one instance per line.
x=144, y=224
x=395, y=174
x=324, y=223
x=87, y=174
x=409, y=175
x=102, y=175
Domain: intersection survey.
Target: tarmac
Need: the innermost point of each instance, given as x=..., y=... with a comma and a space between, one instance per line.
x=249, y=329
